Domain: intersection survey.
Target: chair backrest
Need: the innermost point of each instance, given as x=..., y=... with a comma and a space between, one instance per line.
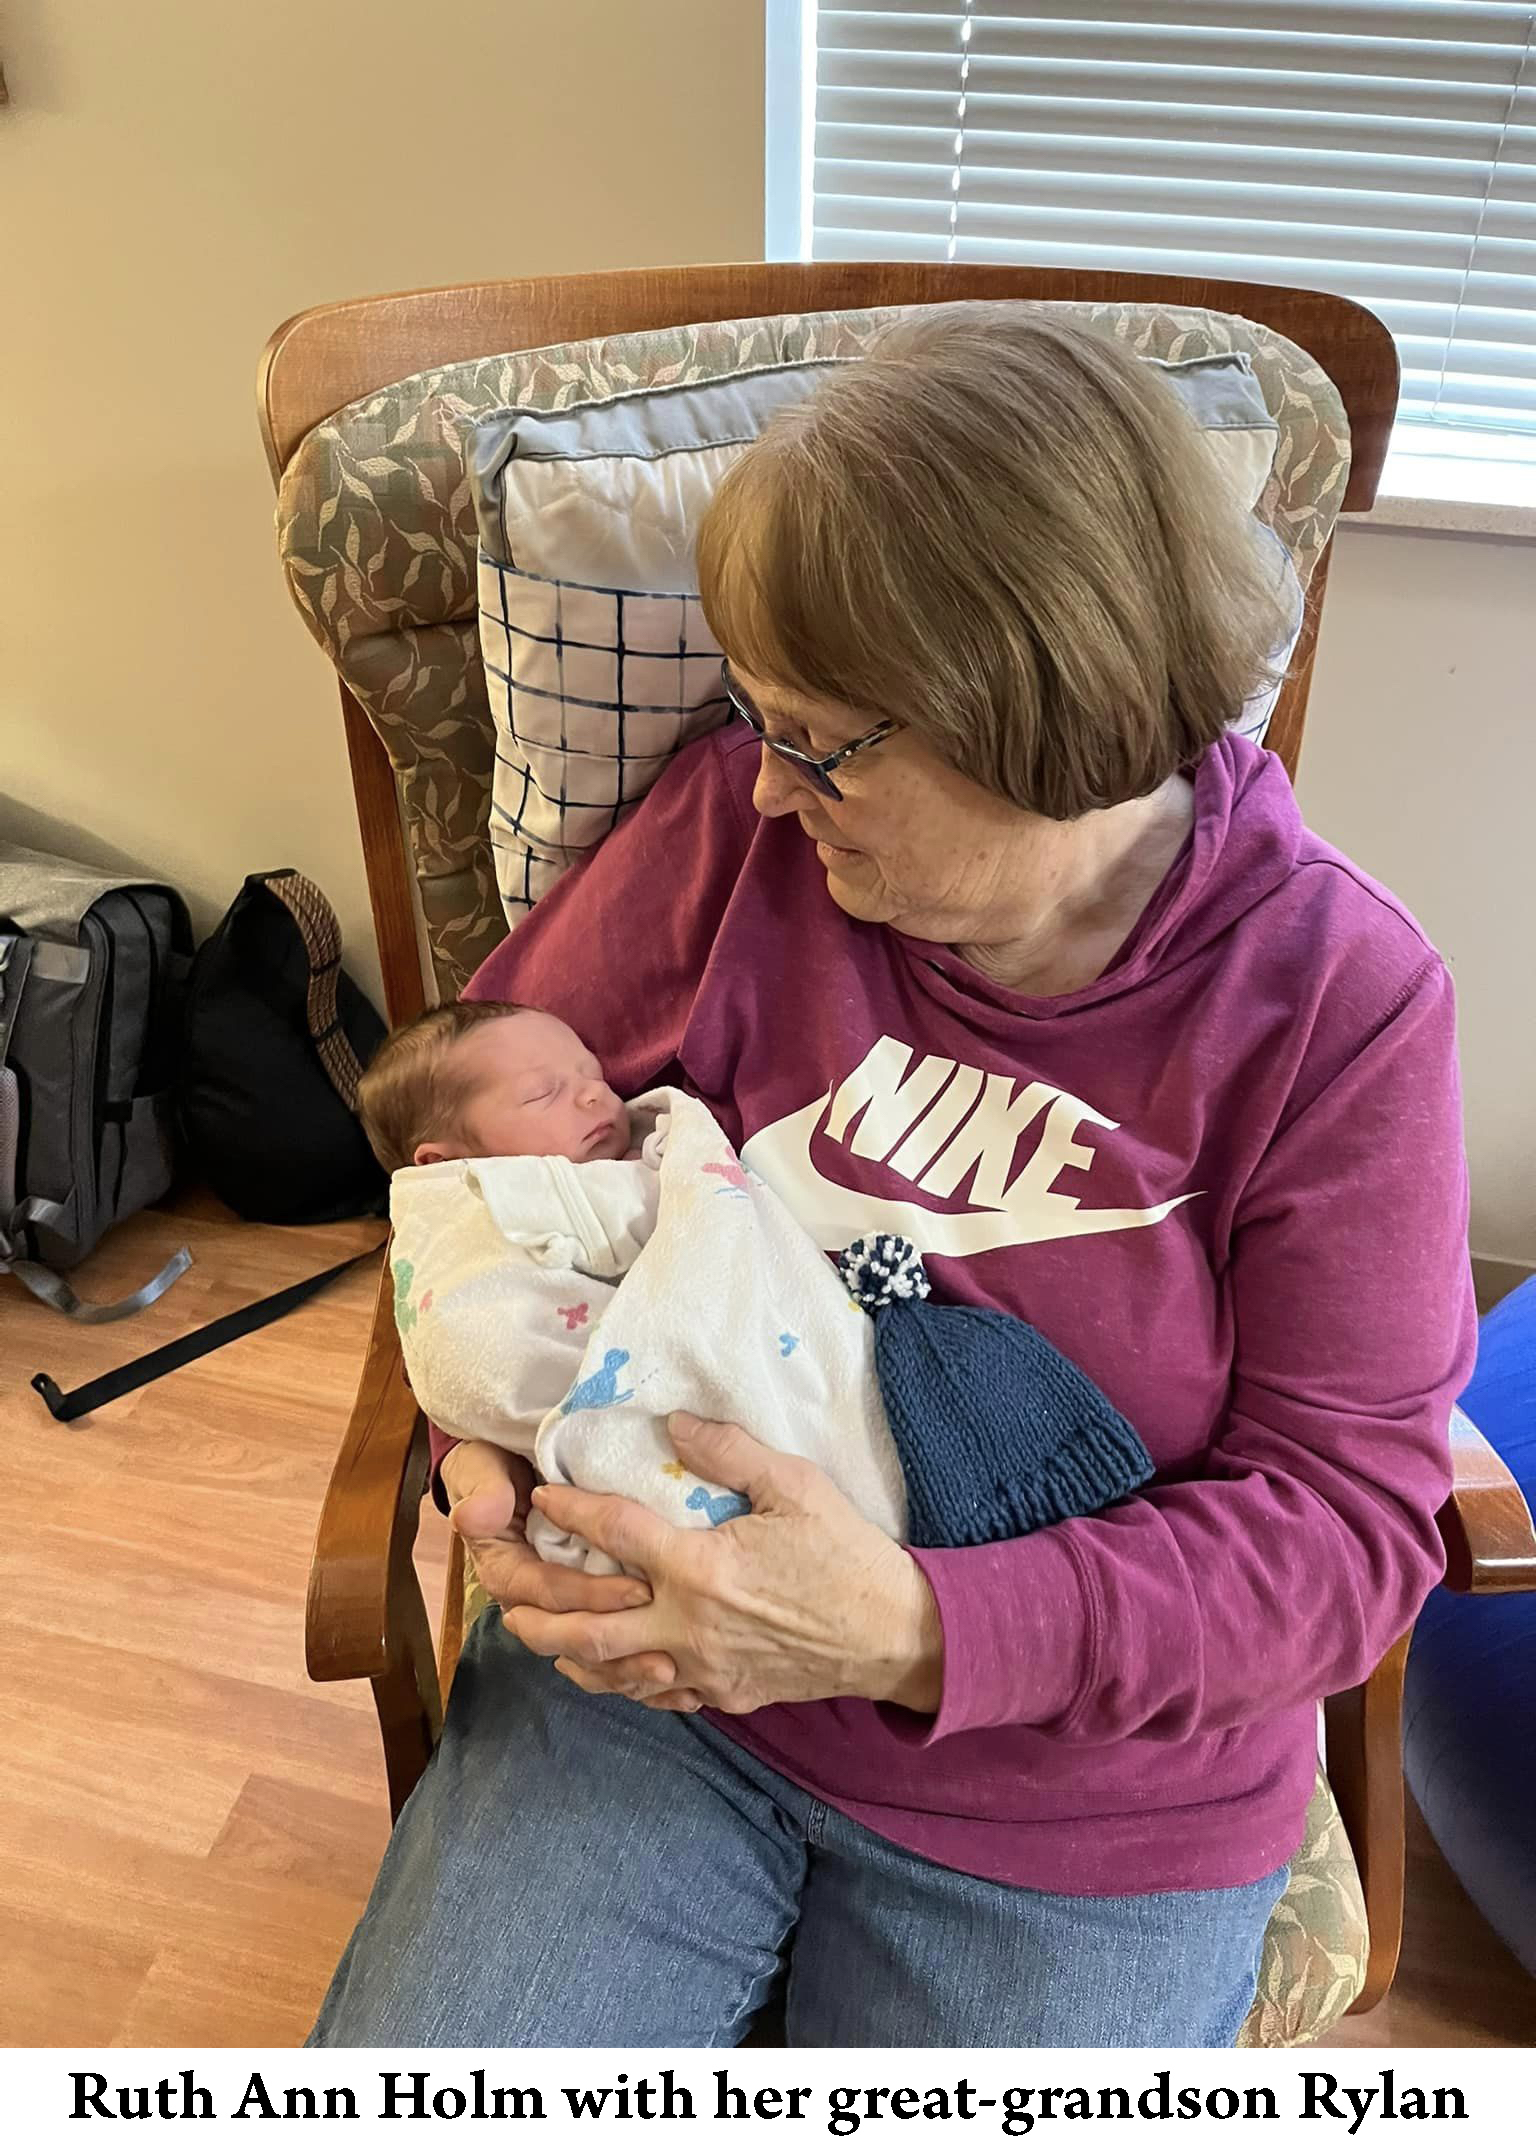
x=399, y=620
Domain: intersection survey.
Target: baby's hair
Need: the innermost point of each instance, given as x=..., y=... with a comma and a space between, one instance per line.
x=408, y=1090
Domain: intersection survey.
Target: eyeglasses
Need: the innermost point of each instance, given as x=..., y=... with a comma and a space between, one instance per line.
x=818, y=769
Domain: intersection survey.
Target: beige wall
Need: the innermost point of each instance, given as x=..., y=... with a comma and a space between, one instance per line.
x=1420, y=761
x=178, y=176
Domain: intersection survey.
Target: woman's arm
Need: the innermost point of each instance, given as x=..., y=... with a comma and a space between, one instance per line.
x=1308, y=1543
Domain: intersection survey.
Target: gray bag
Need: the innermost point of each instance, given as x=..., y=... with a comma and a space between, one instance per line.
x=91, y=971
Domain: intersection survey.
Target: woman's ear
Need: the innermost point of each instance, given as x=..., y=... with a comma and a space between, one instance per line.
x=431, y=1155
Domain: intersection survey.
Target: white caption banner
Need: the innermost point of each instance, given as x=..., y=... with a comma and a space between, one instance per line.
x=211, y=2100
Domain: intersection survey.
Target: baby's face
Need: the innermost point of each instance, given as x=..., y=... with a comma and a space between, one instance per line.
x=530, y=1086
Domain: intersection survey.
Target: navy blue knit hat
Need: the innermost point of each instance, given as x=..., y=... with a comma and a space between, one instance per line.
x=998, y=1433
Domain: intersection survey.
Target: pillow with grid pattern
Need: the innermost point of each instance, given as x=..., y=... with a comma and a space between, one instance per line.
x=599, y=663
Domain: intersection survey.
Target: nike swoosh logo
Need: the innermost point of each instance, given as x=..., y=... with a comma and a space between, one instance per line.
x=833, y=1216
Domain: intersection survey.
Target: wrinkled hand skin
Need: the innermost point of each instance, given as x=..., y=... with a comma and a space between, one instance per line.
x=490, y=1490
x=799, y=1599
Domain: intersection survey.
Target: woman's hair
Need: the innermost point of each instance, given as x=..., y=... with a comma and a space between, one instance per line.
x=408, y=1090
x=1005, y=531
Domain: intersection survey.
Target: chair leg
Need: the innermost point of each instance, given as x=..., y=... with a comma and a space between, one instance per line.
x=1365, y=1770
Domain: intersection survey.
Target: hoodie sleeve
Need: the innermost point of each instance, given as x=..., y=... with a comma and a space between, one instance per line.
x=1308, y=1544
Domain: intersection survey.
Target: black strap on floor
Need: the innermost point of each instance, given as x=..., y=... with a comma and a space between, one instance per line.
x=86, y=1398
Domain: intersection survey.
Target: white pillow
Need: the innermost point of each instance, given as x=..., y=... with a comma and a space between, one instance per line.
x=592, y=690
x=598, y=660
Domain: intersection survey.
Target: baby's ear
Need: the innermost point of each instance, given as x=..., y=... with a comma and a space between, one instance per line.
x=431, y=1155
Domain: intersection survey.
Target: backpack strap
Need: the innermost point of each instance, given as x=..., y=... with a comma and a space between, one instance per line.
x=320, y=931
x=15, y=960
x=59, y=1295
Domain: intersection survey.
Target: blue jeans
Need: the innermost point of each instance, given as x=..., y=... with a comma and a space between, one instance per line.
x=580, y=1871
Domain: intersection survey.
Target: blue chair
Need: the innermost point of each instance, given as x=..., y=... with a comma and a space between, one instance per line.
x=1469, y=1734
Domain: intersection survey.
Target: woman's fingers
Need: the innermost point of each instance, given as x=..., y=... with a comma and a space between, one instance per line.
x=632, y=1534
x=513, y=1576
x=723, y=1452
x=490, y=1490
x=643, y=1688
x=486, y=1514
x=583, y=1635
x=486, y=1489
x=642, y=1676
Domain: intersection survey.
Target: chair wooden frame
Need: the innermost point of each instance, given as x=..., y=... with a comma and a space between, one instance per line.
x=366, y=1615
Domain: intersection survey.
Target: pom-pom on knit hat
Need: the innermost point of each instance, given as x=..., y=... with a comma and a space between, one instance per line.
x=997, y=1431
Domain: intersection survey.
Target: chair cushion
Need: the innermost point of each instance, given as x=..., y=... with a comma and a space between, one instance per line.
x=377, y=533
x=599, y=663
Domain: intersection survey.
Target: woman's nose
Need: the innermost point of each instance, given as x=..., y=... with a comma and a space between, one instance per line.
x=780, y=789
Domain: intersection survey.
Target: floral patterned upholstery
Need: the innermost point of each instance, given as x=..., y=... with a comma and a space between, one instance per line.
x=377, y=537
x=1313, y=1965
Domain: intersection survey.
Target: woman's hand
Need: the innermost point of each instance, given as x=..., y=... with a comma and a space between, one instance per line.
x=800, y=1599
x=490, y=1489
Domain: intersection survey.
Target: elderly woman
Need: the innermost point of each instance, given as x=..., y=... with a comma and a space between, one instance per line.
x=982, y=927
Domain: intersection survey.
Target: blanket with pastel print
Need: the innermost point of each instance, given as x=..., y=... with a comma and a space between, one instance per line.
x=564, y=1310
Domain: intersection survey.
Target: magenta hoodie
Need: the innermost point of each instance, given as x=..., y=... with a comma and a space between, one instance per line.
x=1227, y=1179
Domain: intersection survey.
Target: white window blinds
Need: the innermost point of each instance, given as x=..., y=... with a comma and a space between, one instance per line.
x=1385, y=149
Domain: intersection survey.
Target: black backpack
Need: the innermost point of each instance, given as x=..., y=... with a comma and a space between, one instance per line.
x=274, y=1039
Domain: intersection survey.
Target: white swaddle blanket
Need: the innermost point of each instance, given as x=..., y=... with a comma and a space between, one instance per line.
x=563, y=1310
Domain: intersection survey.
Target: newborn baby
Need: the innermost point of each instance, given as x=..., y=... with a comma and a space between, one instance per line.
x=570, y=1270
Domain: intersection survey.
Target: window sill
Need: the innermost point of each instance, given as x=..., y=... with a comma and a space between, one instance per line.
x=1425, y=513
x=1447, y=481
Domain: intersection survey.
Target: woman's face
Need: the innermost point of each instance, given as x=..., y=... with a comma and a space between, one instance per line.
x=911, y=844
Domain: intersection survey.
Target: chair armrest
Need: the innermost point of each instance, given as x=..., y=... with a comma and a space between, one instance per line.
x=368, y=1522
x=1490, y=1543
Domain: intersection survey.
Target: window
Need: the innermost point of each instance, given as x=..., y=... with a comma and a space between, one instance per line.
x=1381, y=148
